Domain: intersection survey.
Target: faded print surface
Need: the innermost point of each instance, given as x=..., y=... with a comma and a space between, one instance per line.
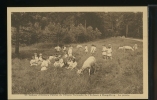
x=84, y=54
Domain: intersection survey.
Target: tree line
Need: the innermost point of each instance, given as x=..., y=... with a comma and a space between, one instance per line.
x=73, y=27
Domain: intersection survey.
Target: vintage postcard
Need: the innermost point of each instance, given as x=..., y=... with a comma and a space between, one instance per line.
x=77, y=52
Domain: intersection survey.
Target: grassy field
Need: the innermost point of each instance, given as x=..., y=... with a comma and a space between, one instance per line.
x=121, y=75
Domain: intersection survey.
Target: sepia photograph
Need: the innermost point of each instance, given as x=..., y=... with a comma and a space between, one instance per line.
x=77, y=52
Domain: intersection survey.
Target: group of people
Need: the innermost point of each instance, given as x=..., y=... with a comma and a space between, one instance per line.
x=106, y=50
x=66, y=61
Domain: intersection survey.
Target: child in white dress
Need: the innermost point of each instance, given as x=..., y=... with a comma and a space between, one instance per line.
x=104, y=49
x=86, y=49
x=36, y=57
x=109, y=53
x=61, y=62
x=72, y=64
x=56, y=63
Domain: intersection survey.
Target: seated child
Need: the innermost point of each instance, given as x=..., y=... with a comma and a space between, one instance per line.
x=33, y=62
x=61, y=62
x=45, y=64
x=56, y=63
x=40, y=59
x=86, y=49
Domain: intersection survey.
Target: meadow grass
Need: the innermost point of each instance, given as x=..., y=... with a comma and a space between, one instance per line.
x=121, y=75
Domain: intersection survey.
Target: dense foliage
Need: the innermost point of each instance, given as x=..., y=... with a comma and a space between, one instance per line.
x=71, y=27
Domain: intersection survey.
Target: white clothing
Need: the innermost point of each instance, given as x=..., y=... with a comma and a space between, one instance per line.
x=70, y=52
x=45, y=63
x=56, y=64
x=43, y=68
x=61, y=62
x=57, y=48
x=36, y=59
x=109, y=52
x=86, y=49
x=33, y=62
x=40, y=58
x=135, y=46
x=51, y=57
x=79, y=46
x=65, y=56
x=104, y=49
x=64, y=48
x=93, y=49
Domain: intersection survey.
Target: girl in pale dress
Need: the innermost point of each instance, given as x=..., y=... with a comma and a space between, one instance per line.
x=86, y=49
x=109, y=53
x=104, y=49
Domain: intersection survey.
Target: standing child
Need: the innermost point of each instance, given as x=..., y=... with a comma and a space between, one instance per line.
x=64, y=48
x=109, y=53
x=92, y=49
x=104, y=49
x=70, y=51
x=36, y=57
x=86, y=49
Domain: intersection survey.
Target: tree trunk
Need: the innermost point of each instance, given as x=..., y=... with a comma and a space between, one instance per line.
x=126, y=30
x=17, y=41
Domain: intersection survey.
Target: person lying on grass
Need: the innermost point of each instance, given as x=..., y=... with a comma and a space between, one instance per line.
x=65, y=55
